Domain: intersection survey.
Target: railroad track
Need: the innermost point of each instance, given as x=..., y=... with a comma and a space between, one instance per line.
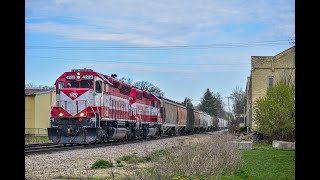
x=47, y=148
x=51, y=147
x=38, y=145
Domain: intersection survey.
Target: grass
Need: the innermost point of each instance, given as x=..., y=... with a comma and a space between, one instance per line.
x=207, y=158
x=130, y=159
x=36, y=139
x=156, y=155
x=152, y=157
x=101, y=164
x=119, y=165
x=264, y=162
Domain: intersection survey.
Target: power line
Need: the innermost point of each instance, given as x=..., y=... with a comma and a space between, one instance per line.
x=207, y=46
x=140, y=62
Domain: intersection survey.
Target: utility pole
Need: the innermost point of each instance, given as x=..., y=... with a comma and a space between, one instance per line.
x=228, y=109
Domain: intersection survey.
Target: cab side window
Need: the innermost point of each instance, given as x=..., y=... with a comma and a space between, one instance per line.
x=60, y=85
x=154, y=104
x=98, y=86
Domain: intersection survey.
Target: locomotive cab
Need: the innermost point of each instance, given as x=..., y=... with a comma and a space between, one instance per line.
x=75, y=117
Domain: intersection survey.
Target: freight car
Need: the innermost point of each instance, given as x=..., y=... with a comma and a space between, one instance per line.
x=92, y=107
x=174, y=117
x=222, y=123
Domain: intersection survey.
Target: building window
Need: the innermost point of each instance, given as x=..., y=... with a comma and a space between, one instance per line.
x=270, y=81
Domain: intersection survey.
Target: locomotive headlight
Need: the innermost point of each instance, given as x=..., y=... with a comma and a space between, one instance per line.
x=78, y=77
x=60, y=114
x=78, y=73
x=81, y=114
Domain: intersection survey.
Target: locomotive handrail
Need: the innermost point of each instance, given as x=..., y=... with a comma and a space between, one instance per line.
x=93, y=113
x=98, y=110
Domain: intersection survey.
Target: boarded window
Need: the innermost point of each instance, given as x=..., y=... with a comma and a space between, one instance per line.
x=270, y=81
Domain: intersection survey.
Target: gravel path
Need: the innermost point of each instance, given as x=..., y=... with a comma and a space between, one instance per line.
x=77, y=163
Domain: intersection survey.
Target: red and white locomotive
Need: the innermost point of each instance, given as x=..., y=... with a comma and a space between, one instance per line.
x=93, y=107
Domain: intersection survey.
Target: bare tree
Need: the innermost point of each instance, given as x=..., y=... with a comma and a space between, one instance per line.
x=126, y=80
x=148, y=86
x=220, y=105
x=32, y=85
x=239, y=100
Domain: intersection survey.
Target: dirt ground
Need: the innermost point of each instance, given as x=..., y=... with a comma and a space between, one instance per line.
x=77, y=163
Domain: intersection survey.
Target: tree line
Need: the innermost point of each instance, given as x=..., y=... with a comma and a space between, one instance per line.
x=212, y=103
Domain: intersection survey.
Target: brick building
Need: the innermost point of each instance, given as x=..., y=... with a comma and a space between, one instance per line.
x=265, y=71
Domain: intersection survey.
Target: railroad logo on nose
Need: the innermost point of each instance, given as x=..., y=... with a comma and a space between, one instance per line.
x=74, y=94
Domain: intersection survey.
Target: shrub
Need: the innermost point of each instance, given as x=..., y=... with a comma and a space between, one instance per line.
x=101, y=164
x=234, y=127
x=243, y=129
x=274, y=113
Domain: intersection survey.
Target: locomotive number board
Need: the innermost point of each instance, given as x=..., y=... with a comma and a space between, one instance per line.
x=86, y=76
x=70, y=77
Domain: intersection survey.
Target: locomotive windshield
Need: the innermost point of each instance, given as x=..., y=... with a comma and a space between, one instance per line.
x=81, y=84
x=73, y=84
x=86, y=84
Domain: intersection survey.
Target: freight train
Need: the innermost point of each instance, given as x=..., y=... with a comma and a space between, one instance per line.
x=92, y=108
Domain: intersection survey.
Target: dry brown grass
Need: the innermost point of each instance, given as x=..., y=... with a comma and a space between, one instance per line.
x=208, y=158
